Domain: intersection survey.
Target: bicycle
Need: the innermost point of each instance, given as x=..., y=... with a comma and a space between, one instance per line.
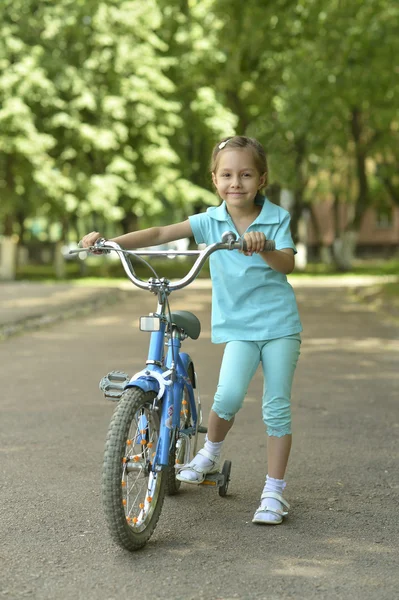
x=157, y=416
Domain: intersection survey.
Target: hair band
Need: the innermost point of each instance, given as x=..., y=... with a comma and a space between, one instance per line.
x=223, y=144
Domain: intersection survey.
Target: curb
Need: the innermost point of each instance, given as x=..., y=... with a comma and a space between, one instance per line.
x=62, y=313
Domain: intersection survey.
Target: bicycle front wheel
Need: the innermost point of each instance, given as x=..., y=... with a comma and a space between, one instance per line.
x=132, y=493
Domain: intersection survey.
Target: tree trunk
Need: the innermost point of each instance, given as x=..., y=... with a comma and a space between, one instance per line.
x=344, y=246
x=344, y=249
x=324, y=251
x=20, y=218
x=59, y=260
x=301, y=182
x=8, y=225
x=392, y=189
x=236, y=105
x=273, y=192
x=340, y=248
x=363, y=195
x=130, y=222
x=8, y=257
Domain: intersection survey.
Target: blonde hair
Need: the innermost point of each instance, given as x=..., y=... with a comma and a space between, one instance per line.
x=241, y=142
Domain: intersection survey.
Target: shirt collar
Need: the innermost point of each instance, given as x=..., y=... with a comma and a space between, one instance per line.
x=267, y=216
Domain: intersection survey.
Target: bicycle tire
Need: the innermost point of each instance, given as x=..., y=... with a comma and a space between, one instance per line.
x=226, y=470
x=173, y=484
x=134, y=426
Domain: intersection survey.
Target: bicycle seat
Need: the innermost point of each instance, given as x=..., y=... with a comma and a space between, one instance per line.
x=183, y=319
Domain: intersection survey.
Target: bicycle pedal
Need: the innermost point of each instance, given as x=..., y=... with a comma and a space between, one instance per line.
x=113, y=385
x=214, y=479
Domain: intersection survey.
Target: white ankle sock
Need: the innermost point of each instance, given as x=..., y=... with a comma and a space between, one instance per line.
x=213, y=447
x=272, y=485
x=202, y=461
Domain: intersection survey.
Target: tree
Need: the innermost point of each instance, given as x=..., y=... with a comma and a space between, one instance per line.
x=331, y=89
x=87, y=111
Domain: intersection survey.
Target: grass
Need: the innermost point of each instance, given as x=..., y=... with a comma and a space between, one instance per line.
x=174, y=269
x=392, y=290
x=360, y=267
x=103, y=269
x=382, y=297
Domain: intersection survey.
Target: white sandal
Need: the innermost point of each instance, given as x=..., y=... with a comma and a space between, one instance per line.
x=275, y=511
x=201, y=472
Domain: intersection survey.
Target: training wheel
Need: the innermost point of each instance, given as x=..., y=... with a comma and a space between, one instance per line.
x=226, y=476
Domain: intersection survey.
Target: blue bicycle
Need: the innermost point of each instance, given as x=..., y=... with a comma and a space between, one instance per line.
x=155, y=426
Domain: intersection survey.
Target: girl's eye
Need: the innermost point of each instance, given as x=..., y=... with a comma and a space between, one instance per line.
x=243, y=175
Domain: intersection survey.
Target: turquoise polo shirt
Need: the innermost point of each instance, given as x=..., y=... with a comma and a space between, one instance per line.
x=250, y=301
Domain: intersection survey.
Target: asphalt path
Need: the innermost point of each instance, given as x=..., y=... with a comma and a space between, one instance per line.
x=341, y=538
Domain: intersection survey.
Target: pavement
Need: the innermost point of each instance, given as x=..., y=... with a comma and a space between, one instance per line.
x=26, y=305
x=340, y=540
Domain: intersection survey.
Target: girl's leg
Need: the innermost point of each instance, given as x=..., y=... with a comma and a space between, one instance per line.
x=279, y=359
x=240, y=361
x=278, y=452
x=218, y=428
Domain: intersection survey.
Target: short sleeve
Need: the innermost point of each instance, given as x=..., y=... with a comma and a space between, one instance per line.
x=199, y=227
x=283, y=236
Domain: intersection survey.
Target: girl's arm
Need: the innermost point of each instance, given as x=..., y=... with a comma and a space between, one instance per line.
x=280, y=260
x=154, y=236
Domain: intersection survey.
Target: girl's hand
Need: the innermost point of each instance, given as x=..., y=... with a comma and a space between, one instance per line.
x=89, y=239
x=255, y=241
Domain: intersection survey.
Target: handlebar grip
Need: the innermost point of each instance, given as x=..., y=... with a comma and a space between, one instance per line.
x=243, y=245
x=270, y=245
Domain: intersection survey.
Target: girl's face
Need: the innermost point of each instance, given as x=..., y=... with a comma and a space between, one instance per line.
x=236, y=178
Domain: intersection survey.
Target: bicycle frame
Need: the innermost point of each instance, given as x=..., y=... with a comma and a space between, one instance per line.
x=167, y=378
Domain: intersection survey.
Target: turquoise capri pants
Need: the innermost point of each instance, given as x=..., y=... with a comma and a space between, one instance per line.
x=279, y=358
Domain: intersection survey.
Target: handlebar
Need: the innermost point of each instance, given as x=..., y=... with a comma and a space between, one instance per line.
x=228, y=242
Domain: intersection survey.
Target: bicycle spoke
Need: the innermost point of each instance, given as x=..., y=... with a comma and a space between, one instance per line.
x=138, y=480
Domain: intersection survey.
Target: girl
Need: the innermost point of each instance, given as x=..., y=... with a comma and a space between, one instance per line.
x=254, y=311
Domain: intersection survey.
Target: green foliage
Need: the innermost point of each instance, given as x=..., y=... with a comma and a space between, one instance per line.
x=88, y=112
x=109, y=111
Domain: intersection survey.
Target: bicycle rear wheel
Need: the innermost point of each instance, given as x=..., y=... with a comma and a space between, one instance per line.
x=132, y=494
x=178, y=449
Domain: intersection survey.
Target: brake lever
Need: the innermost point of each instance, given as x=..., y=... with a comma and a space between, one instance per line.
x=98, y=247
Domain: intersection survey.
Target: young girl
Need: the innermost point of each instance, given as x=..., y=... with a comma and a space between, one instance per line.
x=254, y=311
